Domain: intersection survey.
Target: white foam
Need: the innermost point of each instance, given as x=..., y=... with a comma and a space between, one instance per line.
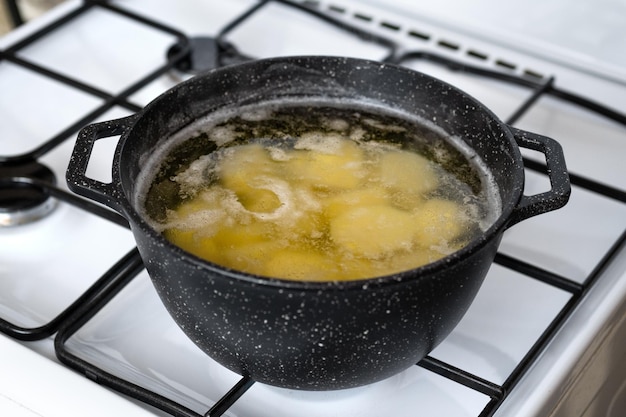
x=326, y=143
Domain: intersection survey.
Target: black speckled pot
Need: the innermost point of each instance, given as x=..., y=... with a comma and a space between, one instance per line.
x=317, y=335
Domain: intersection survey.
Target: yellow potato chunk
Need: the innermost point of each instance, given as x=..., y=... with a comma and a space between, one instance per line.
x=240, y=234
x=300, y=265
x=259, y=200
x=372, y=231
x=407, y=172
x=339, y=203
x=249, y=257
x=406, y=201
x=341, y=166
x=242, y=163
x=249, y=171
x=438, y=221
x=301, y=227
x=189, y=240
x=404, y=261
x=201, y=214
x=181, y=237
x=351, y=267
x=209, y=199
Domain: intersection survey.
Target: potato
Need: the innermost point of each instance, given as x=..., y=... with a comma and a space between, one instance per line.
x=406, y=201
x=407, y=172
x=302, y=227
x=338, y=203
x=340, y=167
x=202, y=214
x=351, y=267
x=190, y=241
x=244, y=164
x=209, y=199
x=181, y=237
x=300, y=265
x=249, y=257
x=404, y=261
x=259, y=200
x=238, y=234
x=372, y=231
x=438, y=221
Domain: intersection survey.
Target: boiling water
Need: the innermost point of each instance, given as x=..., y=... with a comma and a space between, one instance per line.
x=318, y=192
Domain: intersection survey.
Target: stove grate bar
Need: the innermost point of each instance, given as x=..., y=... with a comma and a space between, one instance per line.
x=82, y=203
x=67, y=132
x=542, y=341
x=462, y=377
x=223, y=404
x=558, y=321
x=597, y=187
x=311, y=9
x=528, y=82
x=539, y=274
x=9, y=54
x=11, y=57
x=538, y=91
x=122, y=273
x=51, y=327
x=110, y=100
x=539, y=88
x=51, y=27
x=130, y=265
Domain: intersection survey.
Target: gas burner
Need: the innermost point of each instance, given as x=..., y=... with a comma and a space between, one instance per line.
x=22, y=200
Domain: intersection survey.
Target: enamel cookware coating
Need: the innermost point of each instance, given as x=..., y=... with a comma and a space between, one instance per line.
x=317, y=335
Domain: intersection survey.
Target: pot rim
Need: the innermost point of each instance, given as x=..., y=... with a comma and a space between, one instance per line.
x=430, y=269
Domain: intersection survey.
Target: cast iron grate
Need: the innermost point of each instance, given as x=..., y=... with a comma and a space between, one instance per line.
x=224, y=53
x=13, y=178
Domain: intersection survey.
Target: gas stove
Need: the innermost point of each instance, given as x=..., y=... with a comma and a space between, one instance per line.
x=83, y=330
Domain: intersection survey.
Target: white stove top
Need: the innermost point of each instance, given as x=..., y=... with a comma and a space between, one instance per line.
x=579, y=34
x=47, y=265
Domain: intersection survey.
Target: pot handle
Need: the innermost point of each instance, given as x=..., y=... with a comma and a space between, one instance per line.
x=559, y=193
x=108, y=194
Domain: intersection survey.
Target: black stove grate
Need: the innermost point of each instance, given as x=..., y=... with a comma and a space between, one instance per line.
x=183, y=57
x=12, y=177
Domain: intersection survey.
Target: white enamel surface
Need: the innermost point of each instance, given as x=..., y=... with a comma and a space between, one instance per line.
x=110, y=53
x=32, y=295
x=26, y=389
x=179, y=370
x=581, y=34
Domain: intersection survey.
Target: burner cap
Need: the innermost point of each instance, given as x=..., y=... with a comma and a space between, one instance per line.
x=22, y=202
